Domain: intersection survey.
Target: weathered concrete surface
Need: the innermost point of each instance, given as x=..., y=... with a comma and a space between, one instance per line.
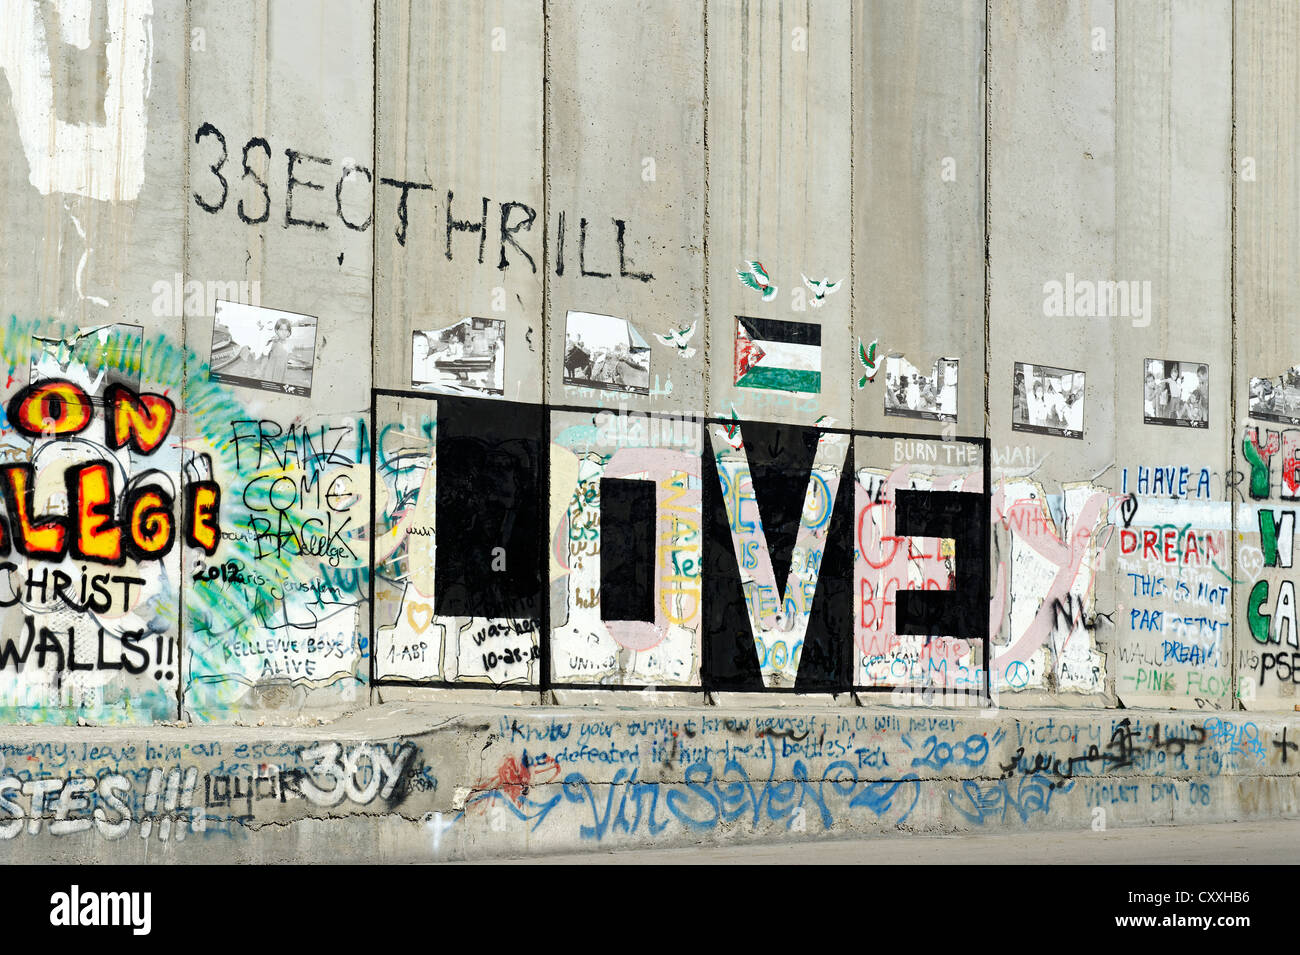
x=418, y=782
x=780, y=191
x=277, y=172
x=919, y=118
x=1267, y=207
x=382, y=170
x=1241, y=843
x=461, y=88
x=625, y=144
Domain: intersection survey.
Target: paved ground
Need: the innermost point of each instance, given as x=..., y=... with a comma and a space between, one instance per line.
x=1245, y=843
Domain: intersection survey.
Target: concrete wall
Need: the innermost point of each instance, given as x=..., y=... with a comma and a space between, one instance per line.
x=437, y=782
x=358, y=354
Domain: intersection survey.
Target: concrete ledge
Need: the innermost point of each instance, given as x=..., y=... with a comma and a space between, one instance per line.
x=406, y=782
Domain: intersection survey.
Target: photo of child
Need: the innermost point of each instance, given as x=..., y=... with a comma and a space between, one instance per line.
x=1176, y=393
x=263, y=348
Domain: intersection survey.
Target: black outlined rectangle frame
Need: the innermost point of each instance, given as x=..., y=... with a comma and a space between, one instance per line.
x=544, y=682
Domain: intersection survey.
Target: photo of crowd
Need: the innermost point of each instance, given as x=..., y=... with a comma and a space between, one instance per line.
x=465, y=358
x=1047, y=400
x=1277, y=399
x=910, y=394
x=602, y=351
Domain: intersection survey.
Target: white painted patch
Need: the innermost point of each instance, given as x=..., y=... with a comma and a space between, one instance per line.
x=105, y=161
x=1202, y=515
x=74, y=22
x=81, y=267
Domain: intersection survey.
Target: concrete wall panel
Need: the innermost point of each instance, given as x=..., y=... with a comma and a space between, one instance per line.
x=1264, y=437
x=779, y=195
x=625, y=154
x=1173, y=226
x=92, y=175
x=211, y=175
x=918, y=180
x=281, y=104
x=1052, y=218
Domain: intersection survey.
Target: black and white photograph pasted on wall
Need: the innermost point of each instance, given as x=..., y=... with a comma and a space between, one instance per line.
x=1047, y=400
x=1176, y=393
x=602, y=351
x=911, y=394
x=1277, y=399
x=466, y=358
x=263, y=348
x=94, y=359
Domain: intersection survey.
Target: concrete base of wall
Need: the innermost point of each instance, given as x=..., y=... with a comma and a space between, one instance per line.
x=419, y=782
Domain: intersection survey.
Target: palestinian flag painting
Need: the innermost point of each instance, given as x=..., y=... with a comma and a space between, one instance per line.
x=778, y=356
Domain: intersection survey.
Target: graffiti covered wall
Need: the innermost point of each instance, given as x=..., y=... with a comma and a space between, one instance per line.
x=478, y=780
x=399, y=351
